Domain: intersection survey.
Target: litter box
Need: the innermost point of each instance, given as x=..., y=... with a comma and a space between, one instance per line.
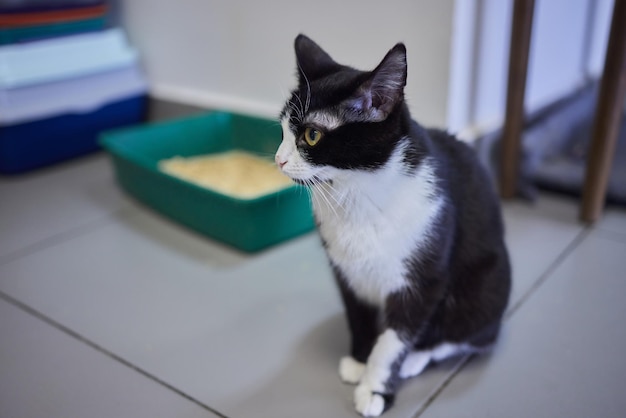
x=247, y=224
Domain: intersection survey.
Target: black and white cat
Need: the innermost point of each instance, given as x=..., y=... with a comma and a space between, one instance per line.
x=409, y=220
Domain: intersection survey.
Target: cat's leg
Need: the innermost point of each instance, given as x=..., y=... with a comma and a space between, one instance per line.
x=447, y=350
x=405, y=320
x=417, y=360
x=363, y=323
x=351, y=370
x=421, y=356
x=376, y=391
x=415, y=363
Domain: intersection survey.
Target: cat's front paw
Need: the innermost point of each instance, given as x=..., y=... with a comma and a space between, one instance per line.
x=350, y=370
x=367, y=402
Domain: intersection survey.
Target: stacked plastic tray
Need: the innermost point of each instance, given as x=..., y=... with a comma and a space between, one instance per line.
x=27, y=20
x=58, y=95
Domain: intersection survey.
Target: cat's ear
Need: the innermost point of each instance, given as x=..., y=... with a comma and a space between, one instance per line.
x=313, y=61
x=384, y=89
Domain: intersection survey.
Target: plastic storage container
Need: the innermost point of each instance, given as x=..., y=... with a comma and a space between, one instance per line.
x=23, y=20
x=248, y=225
x=27, y=6
x=62, y=58
x=52, y=108
x=11, y=35
x=41, y=17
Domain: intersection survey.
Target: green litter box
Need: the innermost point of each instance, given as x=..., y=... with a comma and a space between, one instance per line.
x=249, y=225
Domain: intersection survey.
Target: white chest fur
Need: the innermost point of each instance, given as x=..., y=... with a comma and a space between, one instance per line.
x=373, y=223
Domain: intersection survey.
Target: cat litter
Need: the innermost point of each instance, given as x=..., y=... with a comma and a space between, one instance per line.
x=235, y=173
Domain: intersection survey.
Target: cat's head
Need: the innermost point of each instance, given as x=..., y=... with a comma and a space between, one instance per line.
x=339, y=118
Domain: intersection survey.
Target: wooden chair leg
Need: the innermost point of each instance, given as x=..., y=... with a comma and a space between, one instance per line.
x=514, y=119
x=607, y=118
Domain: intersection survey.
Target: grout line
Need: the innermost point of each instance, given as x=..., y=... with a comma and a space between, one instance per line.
x=437, y=391
x=61, y=237
x=27, y=309
x=580, y=237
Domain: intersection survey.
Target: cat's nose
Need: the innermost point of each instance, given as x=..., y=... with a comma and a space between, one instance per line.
x=279, y=162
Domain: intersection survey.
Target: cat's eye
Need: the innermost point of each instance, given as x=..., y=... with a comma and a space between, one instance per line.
x=312, y=136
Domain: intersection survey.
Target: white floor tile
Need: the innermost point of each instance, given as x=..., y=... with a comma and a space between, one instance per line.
x=47, y=373
x=249, y=336
x=536, y=234
x=562, y=352
x=613, y=222
x=236, y=336
x=39, y=205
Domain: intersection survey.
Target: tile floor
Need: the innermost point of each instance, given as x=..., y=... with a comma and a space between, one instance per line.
x=109, y=310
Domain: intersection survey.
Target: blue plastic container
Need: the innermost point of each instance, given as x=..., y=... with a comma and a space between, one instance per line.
x=39, y=143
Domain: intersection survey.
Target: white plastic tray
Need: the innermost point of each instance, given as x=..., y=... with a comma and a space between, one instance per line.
x=76, y=95
x=63, y=58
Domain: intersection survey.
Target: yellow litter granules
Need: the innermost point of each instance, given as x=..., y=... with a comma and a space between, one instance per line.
x=235, y=173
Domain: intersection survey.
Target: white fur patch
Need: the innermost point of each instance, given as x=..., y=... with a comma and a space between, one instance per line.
x=445, y=350
x=323, y=120
x=350, y=370
x=373, y=222
x=385, y=353
x=415, y=363
x=367, y=403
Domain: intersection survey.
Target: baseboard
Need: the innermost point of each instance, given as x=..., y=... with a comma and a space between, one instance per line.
x=208, y=100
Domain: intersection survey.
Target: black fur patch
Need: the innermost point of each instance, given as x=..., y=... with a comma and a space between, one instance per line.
x=361, y=141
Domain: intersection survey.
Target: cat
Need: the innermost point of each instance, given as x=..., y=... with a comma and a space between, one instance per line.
x=408, y=217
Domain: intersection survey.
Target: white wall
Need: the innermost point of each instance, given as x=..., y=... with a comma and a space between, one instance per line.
x=558, y=46
x=601, y=11
x=493, y=20
x=239, y=54
x=567, y=46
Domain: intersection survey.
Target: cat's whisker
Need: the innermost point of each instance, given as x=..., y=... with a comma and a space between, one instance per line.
x=368, y=198
x=315, y=195
x=339, y=195
x=338, y=198
x=283, y=91
x=328, y=203
x=304, y=188
x=300, y=109
x=308, y=95
x=334, y=195
x=327, y=196
x=294, y=110
x=307, y=186
x=314, y=198
x=297, y=109
x=265, y=154
x=308, y=86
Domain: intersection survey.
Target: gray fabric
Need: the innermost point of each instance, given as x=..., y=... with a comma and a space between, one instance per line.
x=565, y=170
x=554, y=148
